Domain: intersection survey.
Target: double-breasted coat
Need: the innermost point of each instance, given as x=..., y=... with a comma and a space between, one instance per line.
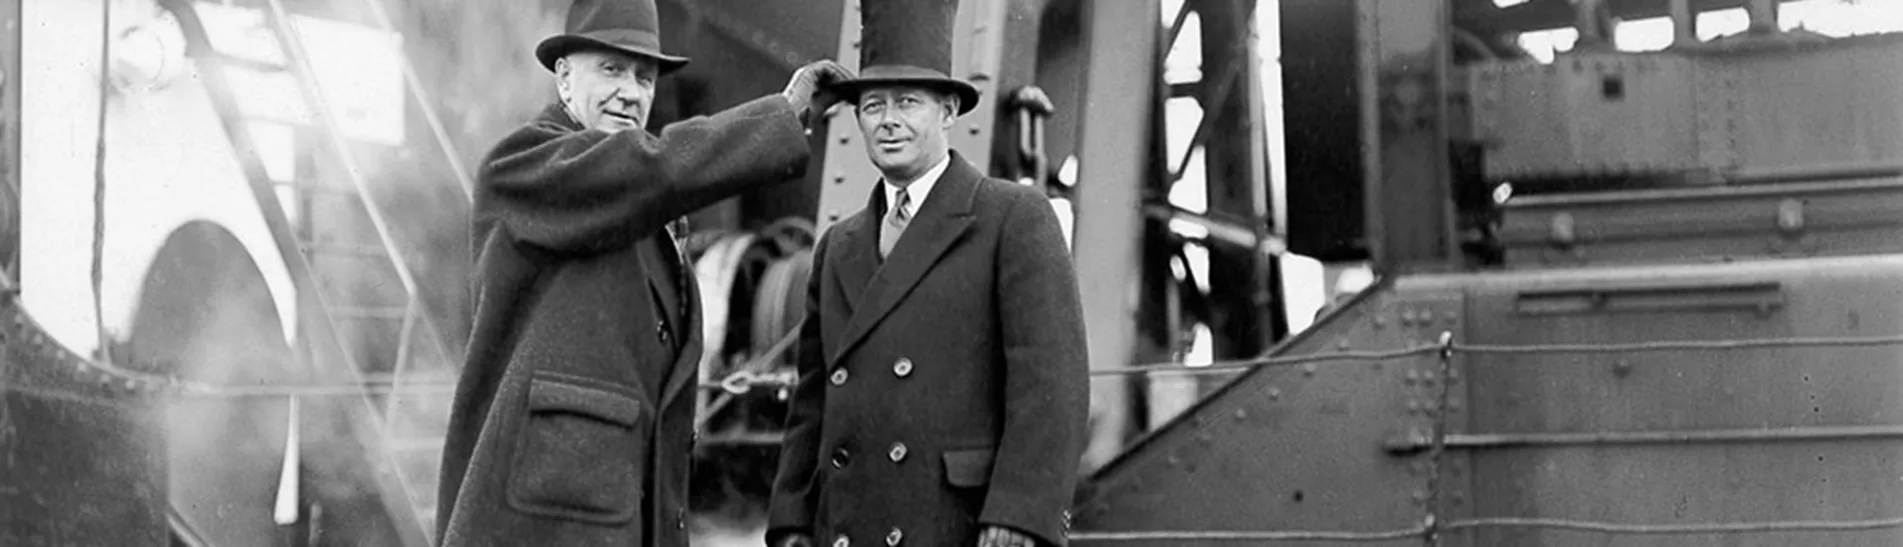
x=944, y=388
x=573, y=420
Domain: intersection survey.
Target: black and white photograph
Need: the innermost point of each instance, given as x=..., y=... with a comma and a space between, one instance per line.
x=951, y=273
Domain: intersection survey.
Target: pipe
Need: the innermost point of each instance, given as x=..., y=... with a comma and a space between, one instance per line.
x=1763, y=16
x=1684, y=24
x=1594, y=23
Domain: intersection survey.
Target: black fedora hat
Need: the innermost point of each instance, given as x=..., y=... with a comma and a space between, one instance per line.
x=907, y=42
x=627, y=26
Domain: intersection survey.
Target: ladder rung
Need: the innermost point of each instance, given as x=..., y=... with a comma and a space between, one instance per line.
x=369, y=312
x=344, y=249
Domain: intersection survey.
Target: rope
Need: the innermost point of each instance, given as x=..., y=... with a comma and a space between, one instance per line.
x=1240, y=365
x=1246, y=364
x=1678, y=529
x=1500, y=522
x=1677, y=345
x=1238, y=535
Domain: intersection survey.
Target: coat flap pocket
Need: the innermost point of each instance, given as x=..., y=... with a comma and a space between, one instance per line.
x=556, y=396
x=968, y=468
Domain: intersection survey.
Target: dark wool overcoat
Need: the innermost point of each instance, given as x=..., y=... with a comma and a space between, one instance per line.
x=944, y=388
x=573, y=420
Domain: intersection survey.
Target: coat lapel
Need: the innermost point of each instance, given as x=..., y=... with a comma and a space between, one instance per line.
x=858, y=251
x=687, y=361
x=941, y=221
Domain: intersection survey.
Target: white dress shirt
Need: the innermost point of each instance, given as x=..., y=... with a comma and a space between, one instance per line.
x=918, y=189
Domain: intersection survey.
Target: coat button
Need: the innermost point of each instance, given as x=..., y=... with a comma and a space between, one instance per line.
x=841, y=457
x=892, y=538
x=841, y=541
x=897, y=453
x=902, y=368
x=839, y=377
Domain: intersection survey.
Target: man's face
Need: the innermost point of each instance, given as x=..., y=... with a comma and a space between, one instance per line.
x=905, y=128
x=608, y=90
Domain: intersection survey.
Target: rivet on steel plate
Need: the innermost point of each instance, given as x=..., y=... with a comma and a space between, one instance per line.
x=1275, y=393
x=1622, y=368
x=1242, y=414
x=1562, y=230
x=1413, y=406
x=1380, y=320
x=1342, y=344
x=1790, y=216
x=1308, y=369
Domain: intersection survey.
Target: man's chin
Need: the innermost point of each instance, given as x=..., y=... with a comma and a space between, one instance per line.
x=615, y=125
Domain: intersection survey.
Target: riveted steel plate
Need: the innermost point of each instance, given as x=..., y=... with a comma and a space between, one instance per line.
x=1295, y=448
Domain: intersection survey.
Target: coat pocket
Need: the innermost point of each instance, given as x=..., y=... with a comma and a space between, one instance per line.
x=580, y=453
x=968, y=468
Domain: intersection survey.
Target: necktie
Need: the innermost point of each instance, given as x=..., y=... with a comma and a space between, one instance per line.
x=895, y=221
x=683, y=272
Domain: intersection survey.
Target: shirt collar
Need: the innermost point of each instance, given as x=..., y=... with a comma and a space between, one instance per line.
x=919, y=188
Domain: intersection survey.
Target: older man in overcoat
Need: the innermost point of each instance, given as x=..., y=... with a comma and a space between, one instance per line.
x=573, y=420
x=943, y=387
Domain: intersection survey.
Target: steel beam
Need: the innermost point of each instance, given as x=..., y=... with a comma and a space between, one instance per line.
x=1402, y=84
x=1114, y=144
x=1236, y=164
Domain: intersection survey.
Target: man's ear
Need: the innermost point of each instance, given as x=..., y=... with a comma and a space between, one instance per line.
x=562, y=69
x=951, y=109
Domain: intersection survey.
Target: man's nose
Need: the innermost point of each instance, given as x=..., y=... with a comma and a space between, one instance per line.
x=630, y=95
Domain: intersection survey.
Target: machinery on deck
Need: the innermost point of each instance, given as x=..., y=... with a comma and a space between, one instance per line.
x=1624, y=297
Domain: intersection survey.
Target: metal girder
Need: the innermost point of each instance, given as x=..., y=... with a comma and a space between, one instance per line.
x=1403, y=64
x=1236, y=165
x=1114, y=146
x=1484, y=17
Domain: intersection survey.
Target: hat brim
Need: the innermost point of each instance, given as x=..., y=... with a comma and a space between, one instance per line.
x=558, y=46
x=967, y=94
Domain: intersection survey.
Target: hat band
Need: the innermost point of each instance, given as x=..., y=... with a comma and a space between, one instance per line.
x=633, y=38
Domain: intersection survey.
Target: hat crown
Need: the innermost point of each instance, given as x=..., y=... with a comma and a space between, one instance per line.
x=910, y=33
x=627, y=26
x=589, y=16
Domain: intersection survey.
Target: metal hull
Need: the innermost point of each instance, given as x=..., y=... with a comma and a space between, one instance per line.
x=1563, y=427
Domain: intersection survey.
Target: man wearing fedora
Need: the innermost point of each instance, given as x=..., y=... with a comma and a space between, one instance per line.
x=943, y=384
x=573, y=420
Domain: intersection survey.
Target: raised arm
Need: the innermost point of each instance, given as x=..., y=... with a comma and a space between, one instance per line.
x=590, y=191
